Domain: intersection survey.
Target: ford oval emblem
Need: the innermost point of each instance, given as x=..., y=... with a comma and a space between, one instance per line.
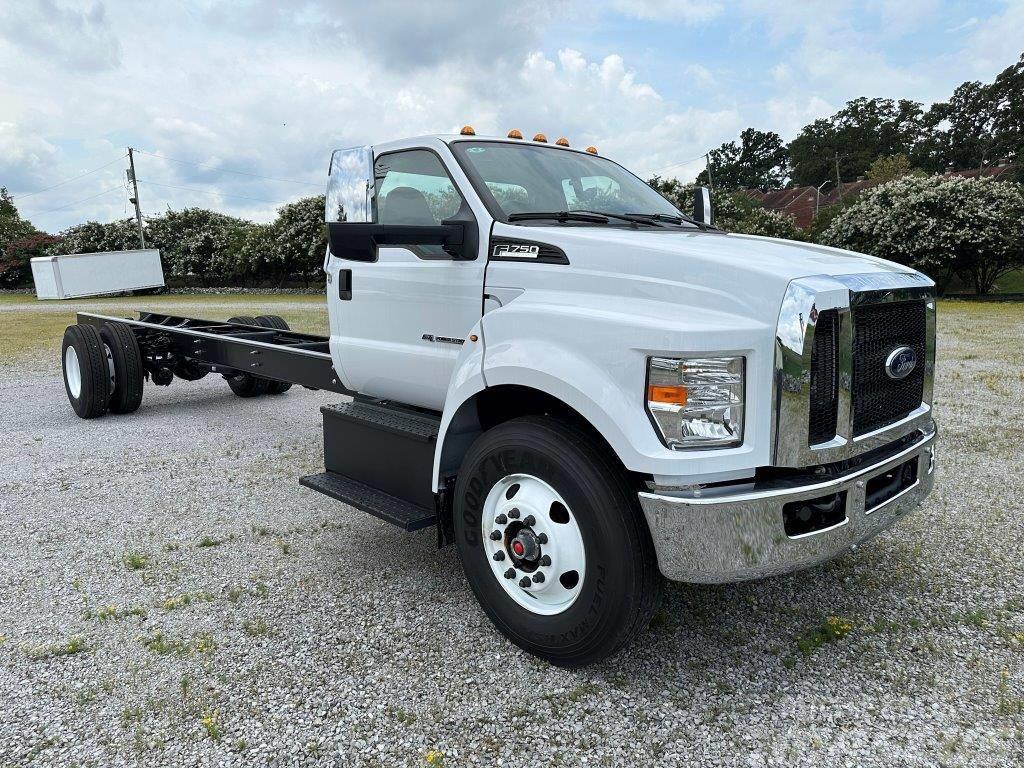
x=900, y=363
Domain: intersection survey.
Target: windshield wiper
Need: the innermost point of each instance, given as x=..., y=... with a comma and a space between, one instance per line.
x=669, y=218
x=593, y=218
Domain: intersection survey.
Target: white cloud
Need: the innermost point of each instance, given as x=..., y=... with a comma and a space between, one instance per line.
x=689, y=11
x=700, y=76
x=56, y=33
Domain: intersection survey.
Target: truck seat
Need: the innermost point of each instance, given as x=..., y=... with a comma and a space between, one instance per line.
x=405, y=205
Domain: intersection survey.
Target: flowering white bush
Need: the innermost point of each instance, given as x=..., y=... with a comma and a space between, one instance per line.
x=944, y=226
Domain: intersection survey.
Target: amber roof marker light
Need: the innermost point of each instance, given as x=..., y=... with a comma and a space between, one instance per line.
x=562, y=142
x=467, y=130
x=515, y=133
x=541, y=138
x=592, y=150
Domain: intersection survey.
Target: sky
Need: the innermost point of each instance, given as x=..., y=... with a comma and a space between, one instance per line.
x=236, y=106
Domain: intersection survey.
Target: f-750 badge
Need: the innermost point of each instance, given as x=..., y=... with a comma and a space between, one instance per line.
x=516, y=250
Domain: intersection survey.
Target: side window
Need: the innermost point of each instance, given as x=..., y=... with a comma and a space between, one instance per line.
x=413, y=188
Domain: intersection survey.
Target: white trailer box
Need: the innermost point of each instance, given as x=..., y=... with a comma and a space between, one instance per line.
x=95, y=274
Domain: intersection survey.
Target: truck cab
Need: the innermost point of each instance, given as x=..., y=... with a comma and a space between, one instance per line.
x=588, y=390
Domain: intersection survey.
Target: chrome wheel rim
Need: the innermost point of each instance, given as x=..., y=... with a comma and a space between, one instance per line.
x=72, y=372
x=533, y=543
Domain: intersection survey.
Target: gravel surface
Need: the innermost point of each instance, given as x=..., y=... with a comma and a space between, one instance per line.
x=169, y=595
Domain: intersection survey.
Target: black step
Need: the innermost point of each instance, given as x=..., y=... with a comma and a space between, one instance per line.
x=413, y=425
x=394, y=510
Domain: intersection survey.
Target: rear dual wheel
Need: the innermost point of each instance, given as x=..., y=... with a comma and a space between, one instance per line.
x=102, y=369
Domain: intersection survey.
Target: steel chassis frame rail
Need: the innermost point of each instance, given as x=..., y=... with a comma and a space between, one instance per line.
x=289, y=356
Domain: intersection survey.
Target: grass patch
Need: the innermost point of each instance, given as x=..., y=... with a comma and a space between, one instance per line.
x=180, y=601
x=208, y=541
x=162, y=645
x=55, y=650
x=829, y=631
x=135, y=561
x=210, y=724
x=109, y=612
x=28, y=325
x=255, y=628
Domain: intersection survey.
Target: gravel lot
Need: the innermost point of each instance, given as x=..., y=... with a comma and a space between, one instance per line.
x=169, y=595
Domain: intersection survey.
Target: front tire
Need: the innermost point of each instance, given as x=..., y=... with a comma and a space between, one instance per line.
x=586, y=521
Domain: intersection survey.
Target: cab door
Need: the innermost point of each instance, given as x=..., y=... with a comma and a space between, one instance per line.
x=401, y=312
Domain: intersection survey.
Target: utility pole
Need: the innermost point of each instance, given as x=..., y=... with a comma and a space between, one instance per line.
x=134, y=200
x=707, y=163
x=839, y=180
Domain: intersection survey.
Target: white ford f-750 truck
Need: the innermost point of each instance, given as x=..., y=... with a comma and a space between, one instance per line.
x=582, y=387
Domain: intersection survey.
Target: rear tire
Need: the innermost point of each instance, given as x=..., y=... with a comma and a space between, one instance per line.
x=126, y=396
x=245, y=384
x=617, y=585
x=86, y=371
x=278, y=323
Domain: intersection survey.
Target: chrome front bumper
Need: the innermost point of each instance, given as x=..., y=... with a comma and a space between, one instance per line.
x=732, y=533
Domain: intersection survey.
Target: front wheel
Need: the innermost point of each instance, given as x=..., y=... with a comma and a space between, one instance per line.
x=553, y=541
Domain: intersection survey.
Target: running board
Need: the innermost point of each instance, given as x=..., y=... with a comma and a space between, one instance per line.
x=394, y=510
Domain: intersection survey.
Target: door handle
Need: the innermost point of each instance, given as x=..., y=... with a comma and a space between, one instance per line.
x=345, y=284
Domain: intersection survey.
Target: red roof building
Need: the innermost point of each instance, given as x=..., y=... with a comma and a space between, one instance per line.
x=802, y=203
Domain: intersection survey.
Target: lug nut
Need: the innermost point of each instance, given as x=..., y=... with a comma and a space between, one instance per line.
x=514, y=513
x=495, y=535
x=501, y=519
x=499, y=555
x=525, y=582
x=542, y=538
x=510, y=573
x=529, y=521
x=538, y=578
x=546, y=560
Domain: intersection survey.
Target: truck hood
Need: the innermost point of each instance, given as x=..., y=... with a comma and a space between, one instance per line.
x=743, y=275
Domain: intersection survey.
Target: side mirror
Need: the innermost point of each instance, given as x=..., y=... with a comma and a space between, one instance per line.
x=350, y=186
x=359, y=241
x=702, y=206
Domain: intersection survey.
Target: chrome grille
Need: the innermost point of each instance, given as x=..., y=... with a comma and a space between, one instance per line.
x=824, y=379
x=833, y=399
x=878, y=329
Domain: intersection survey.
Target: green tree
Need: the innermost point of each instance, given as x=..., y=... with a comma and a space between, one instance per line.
x=860, y=132
x=301, y=237
x=760, y=161
x=12, y=226
x=978, y=125
x=94, y=237
x=891, y=167
x=944, y=226
x=16, y=261
x=197, y=242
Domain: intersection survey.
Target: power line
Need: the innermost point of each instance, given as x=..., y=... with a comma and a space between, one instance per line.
x=228, y=170
x=681, y=162
x=76, y=202
x=68, y=181
x=210, y=192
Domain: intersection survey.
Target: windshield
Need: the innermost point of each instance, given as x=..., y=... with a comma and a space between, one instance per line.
x=524, y=178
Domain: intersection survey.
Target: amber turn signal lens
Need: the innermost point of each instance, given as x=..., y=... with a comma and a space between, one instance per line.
x=541, y=138
x=562, y=142
x=515, y=133
x=467, y=130
x=668, y=395
x=592, y=150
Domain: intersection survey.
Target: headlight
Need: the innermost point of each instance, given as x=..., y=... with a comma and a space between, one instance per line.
x=696, y=402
